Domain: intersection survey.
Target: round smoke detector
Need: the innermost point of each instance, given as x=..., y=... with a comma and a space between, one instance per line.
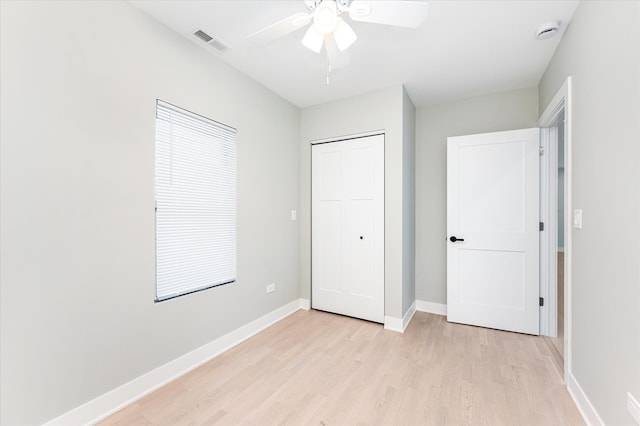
x=547, y=30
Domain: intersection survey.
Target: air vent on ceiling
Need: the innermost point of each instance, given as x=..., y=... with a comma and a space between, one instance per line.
x=217, y=44
x=203, y=36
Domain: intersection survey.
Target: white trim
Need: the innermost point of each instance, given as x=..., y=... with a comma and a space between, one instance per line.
x=347, y=137
x=588, y=412
x=305, y=304
x=548, y=208
x=568, y=232
x=406, y=319
x=431, y=307
x=562, y=103
x=633, y=407
x=549, y=237
x=400, y=325
x=114, y=400
x=550, y=114
x=393, y=324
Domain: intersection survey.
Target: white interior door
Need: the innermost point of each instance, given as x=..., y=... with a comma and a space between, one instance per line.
x=493, y=230
x=347, y=227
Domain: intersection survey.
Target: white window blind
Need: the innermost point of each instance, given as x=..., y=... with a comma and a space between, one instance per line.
x=195, y=192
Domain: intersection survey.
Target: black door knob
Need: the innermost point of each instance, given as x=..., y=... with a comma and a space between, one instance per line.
x=453, y=239
x=361, y=237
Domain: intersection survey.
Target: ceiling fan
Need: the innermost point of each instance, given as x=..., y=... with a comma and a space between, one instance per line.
x=328, y=27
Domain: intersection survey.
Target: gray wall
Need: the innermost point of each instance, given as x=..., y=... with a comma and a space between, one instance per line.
x=605, y=66
x=408, y=202
x=78, y=85
x=503, y=111
x=380, y=110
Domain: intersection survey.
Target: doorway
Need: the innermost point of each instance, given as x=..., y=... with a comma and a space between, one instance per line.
x=556, y=212
x=558, y=341
x=555, y=119
x=554, y=207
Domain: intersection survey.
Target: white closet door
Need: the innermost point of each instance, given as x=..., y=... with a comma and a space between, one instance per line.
x=347, y=229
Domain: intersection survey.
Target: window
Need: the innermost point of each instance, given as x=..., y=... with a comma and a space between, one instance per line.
x=195, y=194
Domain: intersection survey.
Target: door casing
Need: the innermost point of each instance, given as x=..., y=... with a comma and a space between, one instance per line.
x=559, y=109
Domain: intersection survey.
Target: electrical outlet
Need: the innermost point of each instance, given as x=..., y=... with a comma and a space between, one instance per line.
x=271, y=288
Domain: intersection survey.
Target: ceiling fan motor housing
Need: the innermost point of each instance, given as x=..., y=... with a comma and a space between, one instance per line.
x=325, y=17
x=341, y=5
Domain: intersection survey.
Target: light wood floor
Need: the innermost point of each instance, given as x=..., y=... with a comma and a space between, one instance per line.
x=315, y=368
x=556, y=344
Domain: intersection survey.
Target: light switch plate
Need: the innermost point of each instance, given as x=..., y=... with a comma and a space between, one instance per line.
x=294, y=215
x=577, y=218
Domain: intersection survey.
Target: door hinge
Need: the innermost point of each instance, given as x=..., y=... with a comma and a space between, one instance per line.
x=542, y=301
x=542, y=226
x=541, y=150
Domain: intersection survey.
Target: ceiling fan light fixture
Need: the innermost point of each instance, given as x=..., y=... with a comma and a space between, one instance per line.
x=325, y=17
x=343, y=35
x=313, y=39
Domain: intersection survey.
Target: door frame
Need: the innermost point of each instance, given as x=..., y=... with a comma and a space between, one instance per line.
x=558, y=109
x=549, y=238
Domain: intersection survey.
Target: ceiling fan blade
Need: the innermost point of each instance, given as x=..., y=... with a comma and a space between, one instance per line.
x=280, y=28
x=409, y=14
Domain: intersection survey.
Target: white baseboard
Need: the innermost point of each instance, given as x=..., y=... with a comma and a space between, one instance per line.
x=431, y=307
x=587, y=410
x=400, y=325
x=305, y=304
x=406, y=319
x=393, y=324
x=633, y=407
x=112, y=401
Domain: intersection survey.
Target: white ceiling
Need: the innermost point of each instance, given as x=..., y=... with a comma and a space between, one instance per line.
x=464, y=48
